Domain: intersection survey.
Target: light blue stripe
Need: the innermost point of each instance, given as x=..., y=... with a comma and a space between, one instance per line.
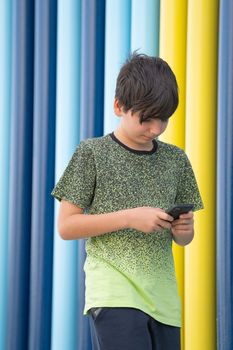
x=145, y=26
x=117, y=48
x=5, y=93
x=64, y=311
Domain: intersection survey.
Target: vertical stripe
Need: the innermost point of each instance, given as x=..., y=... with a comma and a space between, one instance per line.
x=91, y=118
x=200, y=313
x=64, y=310
x=20, y=175
x=43, y=175
x=225, y=179
x=92, y=68
x=117, y=48
x=145, y=26
x=5, y=117
x=173, y=29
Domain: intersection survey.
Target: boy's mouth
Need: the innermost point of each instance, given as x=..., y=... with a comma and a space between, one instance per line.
x=149, y=138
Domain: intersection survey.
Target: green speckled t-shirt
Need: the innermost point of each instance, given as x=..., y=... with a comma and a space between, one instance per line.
x=128, y=268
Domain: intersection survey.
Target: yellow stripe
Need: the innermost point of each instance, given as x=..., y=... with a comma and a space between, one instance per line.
x=173, y=28
x=200, y=313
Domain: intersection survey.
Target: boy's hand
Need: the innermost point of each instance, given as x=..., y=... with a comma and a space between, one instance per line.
x=183, y=228
x=147, y=219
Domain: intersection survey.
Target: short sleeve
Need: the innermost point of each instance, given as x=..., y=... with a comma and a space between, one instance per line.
x=187, y=191
x=77, y=184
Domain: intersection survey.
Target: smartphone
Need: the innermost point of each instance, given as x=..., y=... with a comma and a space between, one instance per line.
x=178, y=209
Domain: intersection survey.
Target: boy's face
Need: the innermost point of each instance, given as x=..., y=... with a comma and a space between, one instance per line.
x=136, y=133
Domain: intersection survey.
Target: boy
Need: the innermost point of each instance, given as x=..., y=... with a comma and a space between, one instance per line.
x=124, y=182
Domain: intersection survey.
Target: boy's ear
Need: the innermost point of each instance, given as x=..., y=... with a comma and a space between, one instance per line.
x=117, y=107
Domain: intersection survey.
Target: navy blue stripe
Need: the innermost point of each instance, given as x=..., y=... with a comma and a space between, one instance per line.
x=43, y=174
x=99, y=70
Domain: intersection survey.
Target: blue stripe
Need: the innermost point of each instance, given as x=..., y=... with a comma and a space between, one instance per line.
x=20, y=175
x=92, y=68
x=99, y=68
x=43, y=175
x=225, y=179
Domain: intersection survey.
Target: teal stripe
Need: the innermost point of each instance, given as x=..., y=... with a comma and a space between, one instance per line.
x=64, y=314
x=117, y=48
x=145, y=26
x=5, y=93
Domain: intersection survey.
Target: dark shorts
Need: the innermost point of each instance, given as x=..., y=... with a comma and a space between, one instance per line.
x=130, y=329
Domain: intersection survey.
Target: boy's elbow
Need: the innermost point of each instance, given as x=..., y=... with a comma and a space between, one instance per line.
x=63, y=232
x=67, y=233
x=67, y=222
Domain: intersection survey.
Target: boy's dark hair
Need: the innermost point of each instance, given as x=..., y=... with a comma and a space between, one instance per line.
x=147, y=85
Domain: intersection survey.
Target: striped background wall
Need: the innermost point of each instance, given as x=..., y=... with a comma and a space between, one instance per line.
x=58, y=65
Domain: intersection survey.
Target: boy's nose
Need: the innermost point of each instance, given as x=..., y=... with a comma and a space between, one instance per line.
x=154, y=134
x=155, y=131
x=157, y=127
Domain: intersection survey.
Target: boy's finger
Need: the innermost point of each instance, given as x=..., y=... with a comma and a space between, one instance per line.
x=186, y=216
x=183, y=222
x=166, y=217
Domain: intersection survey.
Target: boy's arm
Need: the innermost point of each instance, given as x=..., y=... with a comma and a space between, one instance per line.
x=74, y=224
